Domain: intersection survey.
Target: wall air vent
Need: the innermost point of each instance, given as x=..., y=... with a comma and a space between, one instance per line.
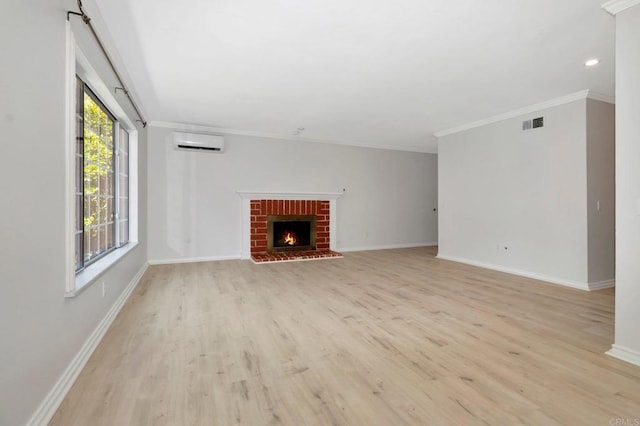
x=538, y=122
x=533, y=124
x=198, y=142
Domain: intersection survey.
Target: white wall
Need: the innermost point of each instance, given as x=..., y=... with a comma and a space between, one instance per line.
x=500, y=186
x=40, y=330
x=196, y=212
x=601, y=190
x=627, y=322
x=534, y=192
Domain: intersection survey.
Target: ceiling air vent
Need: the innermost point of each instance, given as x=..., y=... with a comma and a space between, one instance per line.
x=533, y=124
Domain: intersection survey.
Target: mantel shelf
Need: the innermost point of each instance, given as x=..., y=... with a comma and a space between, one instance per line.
x=281, y=195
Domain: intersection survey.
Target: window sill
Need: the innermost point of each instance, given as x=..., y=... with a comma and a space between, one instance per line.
x=91, y=273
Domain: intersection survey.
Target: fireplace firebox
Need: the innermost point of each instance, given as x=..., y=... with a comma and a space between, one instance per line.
x=291, y=232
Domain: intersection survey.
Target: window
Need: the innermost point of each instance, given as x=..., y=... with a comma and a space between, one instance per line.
x=101, y=179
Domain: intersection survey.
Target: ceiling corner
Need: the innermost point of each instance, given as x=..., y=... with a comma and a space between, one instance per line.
x=600, y=97
x=616, y=6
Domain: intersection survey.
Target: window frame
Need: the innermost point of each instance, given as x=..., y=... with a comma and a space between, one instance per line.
x=78, y=65
x=86, y=89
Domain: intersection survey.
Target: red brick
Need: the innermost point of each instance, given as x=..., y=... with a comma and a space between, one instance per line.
x=322, y=222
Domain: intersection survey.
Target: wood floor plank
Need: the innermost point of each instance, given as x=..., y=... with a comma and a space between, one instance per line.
x=376, y=338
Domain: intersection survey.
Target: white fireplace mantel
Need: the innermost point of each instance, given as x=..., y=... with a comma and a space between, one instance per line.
x=264, y=195
x=247, y=196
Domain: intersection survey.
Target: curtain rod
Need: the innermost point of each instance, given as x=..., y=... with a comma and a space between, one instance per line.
x=87, y=20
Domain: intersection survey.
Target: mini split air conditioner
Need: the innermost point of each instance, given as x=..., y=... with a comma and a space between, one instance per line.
x=198, y=142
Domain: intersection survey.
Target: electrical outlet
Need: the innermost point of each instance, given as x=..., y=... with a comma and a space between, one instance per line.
x=104, y=288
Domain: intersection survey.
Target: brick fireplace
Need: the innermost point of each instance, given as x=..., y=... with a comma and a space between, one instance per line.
x=260, y=210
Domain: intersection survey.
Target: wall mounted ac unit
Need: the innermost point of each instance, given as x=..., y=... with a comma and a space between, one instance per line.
x=198, y=142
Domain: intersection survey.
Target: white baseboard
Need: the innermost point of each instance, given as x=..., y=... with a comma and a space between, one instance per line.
x=385, y=247
x=567, y=283
x=625, y=354
x=54, y=398
x=193, y=260
x=601, y=285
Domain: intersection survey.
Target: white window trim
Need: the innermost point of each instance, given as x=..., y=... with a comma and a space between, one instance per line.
x=78, y=64
x=92, y=273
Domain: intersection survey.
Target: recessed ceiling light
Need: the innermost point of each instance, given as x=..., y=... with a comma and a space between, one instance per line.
x=592, y=62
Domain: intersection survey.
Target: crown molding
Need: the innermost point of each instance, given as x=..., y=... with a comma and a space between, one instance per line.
x=616, y=6
x=600, y=97
x=583, y=94
x=183, y=127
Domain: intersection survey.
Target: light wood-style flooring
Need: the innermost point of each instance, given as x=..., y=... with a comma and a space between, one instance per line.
x=389, y=337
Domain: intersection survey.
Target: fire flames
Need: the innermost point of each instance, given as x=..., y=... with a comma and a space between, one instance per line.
x=289, y=238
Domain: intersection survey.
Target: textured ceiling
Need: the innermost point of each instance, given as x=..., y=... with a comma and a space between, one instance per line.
x=362, y=72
